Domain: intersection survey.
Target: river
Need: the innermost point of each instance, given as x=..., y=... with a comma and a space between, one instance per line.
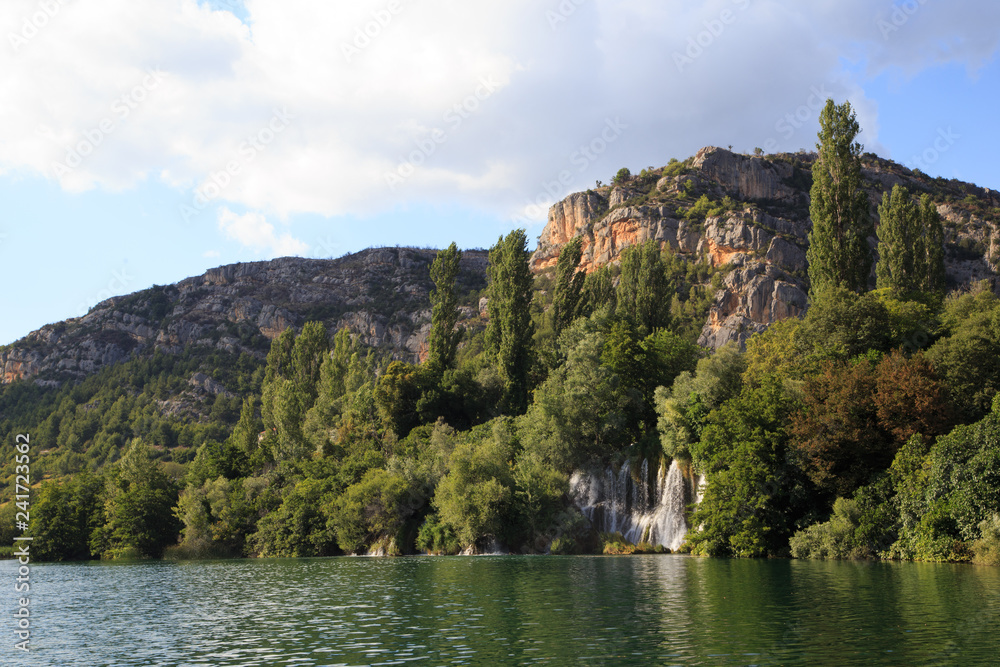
x=490, y=610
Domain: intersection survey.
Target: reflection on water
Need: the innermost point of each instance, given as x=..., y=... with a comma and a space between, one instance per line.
x=510, y=610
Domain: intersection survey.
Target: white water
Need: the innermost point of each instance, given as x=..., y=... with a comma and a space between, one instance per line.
x=615, y=502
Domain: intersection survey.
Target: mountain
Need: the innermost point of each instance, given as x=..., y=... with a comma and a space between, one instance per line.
x=750, y=215
x=747, y=215
x=381, y=294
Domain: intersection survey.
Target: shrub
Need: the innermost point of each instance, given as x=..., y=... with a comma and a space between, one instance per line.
x=986, y=550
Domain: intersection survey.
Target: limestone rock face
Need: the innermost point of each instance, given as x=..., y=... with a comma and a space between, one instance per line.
x=760, y=239
x=566, y=219
x=747, y=178
x=382, y=295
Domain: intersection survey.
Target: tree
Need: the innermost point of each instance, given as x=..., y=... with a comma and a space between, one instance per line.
x=934, y=277
x=644, y=291
x=856, y=416
x=754, y=495
x=371, y=512
x=444, y=338
x=310, y=349
x=476, y=495
x=63, y=516
x=569, y=285
x=901, y=254
x=509, y=332
x=598, y=291
x=139, y=500
x=580, y=413
x=839, y=255
x=622, y=176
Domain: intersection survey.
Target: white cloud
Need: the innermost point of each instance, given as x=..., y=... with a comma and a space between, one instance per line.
x=211, y=254
x=414, y=92
x=253, y=231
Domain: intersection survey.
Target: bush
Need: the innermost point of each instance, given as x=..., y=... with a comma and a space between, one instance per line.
x=622, y=176
x=834, y=538
x=614, y=544
x=437, y=538
x=986, y=550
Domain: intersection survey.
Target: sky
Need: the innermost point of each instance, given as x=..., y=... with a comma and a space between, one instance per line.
x=145, y=141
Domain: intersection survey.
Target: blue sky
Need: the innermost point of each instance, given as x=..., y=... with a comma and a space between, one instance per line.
x=145, y=141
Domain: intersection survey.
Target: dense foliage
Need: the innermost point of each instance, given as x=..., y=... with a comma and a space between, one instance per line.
x=838, y=253
x=870, y=428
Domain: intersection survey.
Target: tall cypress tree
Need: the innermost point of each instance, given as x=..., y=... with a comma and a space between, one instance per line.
x=444, y=338
x=644, y=291
x=569, y=285
x=930, y=219
x=901, y=255
x=911, y=244
x=509, y=332
x=839, y=255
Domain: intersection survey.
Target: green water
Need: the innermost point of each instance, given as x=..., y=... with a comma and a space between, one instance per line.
x=510, y=610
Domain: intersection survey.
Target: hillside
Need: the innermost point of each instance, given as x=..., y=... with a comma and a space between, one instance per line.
x=221, y=415
x=747, y=216
x=751, y=215
x=380, y=294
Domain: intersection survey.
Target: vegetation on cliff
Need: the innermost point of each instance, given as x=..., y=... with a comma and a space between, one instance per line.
x=868, y=428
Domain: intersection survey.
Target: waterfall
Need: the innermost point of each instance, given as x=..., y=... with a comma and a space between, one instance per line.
x=615, y=502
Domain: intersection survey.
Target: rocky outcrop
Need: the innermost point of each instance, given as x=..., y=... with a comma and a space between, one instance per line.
x=566, y=220
x=743, y=177
x=382, y=295
x=761, y=239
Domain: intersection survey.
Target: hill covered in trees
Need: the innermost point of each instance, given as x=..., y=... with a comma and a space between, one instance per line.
x=842, y=402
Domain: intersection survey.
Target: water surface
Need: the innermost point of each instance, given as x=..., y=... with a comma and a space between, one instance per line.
x=509, y=610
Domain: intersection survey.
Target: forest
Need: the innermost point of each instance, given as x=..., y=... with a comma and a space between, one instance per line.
x=868, y=429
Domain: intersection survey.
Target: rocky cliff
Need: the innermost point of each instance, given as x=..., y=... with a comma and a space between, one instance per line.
x=750, y=216
x=747, y=215
x=380, y=294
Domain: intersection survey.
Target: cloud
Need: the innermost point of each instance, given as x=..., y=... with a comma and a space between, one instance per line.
x=407, y=102
x=211, y=254
x=254, y=231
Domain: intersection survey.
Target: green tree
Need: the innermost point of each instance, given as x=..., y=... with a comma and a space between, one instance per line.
x=934, y=278
x=838, y=254
x=371, y=513
x=475, y=497
x=569, y=285
x=644, y=291
x=755, y=495
x=139, y=500
x=63, y=517
x=901, y=253
x=598, y=291
x=310, y=349
x=580, y=414
x=444, y=338
x=509, y=333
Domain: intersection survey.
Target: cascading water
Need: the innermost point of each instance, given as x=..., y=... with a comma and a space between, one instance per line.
x=615, y=502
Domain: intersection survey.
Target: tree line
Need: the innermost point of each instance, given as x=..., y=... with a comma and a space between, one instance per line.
x=868, y=428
